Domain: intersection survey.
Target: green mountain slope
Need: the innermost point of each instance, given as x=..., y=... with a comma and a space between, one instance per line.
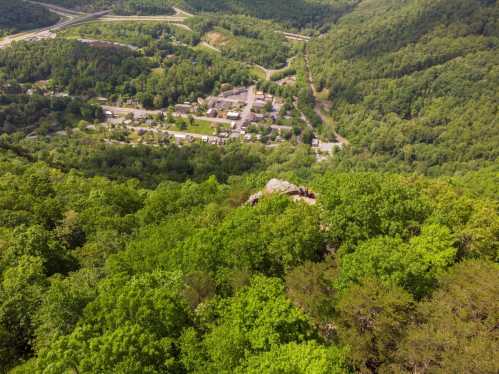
x=16, y=16
x=299, y=13
x=122, y=7
x=414, y=83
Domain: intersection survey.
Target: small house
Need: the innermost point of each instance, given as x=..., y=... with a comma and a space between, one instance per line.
x=183, y=108
x=233, y=115
x=212, y=113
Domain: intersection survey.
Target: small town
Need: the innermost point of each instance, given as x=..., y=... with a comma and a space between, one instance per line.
x=236, y=114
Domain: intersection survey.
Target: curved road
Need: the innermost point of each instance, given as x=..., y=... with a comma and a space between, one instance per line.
x=319, y=105
x=72, y=18
x=45, y=32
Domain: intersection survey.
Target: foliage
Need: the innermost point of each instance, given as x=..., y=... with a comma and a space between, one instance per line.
x=81, y=69
x=147, y=35
x=456, y=328
x=16, y=16
x=297, y=13
x=22, y=113
x=21, y=290
x=296, y=358
x=140, y=259
x=415, y=266
x=129, y=326
x=244, y=38
x=257, y=318
x=183, y=277
x=367, y=205
x=413, y=84
x=371, y=320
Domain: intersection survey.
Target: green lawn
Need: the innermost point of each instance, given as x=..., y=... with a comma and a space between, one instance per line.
x=199, y=127
x=258, y=73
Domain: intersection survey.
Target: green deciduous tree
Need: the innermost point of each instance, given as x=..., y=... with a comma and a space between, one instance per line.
x=21, y=294
x=361, y=206
x=39, y=242
x=257, y=318
x=371, y=320
x=456, y=331
x=293, y=358
x=131, y=326
x=63, y=304
x=311, y=288
x=415, y=265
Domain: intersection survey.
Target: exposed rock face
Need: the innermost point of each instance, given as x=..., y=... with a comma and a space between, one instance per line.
x=277, y=186
x=281, y=187
x=255, y=198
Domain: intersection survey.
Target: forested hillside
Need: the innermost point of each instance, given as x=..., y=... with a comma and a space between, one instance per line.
x=413, y=84
x=297, y=13
x=244, y=38
x=122, y=7
x=107, y=276
x=16, y=16
x=80, y=69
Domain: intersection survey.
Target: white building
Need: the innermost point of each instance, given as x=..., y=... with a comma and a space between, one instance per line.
x=233, y=115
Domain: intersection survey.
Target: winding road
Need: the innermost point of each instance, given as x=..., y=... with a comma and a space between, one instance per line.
x=319, y=104
x=72, y=18
x=66, y=21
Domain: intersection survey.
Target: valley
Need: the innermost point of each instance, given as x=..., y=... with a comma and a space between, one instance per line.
x=78, y=19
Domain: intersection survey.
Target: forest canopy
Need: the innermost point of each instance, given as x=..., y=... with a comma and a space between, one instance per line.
x=200, y=281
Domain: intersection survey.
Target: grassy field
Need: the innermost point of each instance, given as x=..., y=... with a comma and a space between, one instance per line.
x=199, y=127
x=257, y=72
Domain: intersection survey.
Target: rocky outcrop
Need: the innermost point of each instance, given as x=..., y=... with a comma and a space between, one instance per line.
x=277, y=186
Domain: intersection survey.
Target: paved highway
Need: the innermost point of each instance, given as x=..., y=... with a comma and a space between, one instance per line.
x=72, y=18
x=173, y=19
x=46, y=31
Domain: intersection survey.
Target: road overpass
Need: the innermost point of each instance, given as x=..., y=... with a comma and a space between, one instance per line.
x=45, y=32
